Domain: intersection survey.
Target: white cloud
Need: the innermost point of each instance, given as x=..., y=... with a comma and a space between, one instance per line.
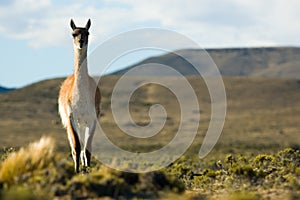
x=212, y=23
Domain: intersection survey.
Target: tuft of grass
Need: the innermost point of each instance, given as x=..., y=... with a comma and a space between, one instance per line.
x=35, y=156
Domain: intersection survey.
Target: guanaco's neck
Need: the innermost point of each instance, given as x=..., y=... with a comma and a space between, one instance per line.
x=80, y=64
x=81, y=77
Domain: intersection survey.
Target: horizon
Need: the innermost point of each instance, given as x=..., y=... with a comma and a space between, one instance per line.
x=150, y=56
x=141, y=60
x=37, y=36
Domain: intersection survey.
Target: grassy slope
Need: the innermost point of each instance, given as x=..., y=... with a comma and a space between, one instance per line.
x=262, y=117
x=262, y=114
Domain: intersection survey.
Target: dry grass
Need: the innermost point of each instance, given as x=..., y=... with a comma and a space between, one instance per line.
x=35, y=156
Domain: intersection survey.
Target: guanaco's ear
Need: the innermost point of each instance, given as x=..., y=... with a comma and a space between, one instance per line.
x=72, y=24
x=88, y=24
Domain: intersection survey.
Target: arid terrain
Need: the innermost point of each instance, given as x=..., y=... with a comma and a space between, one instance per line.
x=256, y=157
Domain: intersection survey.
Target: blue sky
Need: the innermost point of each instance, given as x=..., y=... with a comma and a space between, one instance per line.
x=36, y=41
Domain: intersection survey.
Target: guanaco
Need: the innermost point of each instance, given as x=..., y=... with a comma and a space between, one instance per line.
x=79, y=101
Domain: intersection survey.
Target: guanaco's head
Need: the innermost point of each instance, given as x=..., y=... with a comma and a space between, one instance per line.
x=80, y=34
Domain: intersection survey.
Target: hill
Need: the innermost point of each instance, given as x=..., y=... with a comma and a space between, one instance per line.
x=283, y=62
x=262, y=114
x=4, y=89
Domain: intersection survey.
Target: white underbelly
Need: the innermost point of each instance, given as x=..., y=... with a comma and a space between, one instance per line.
x=84, y=114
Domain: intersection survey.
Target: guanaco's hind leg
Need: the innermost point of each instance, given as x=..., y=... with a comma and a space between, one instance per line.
x=75, y=145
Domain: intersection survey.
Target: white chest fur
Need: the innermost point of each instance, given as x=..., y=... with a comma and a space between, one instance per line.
x=83, y=107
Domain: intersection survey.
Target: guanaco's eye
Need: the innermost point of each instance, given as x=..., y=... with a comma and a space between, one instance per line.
x=74, y=34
